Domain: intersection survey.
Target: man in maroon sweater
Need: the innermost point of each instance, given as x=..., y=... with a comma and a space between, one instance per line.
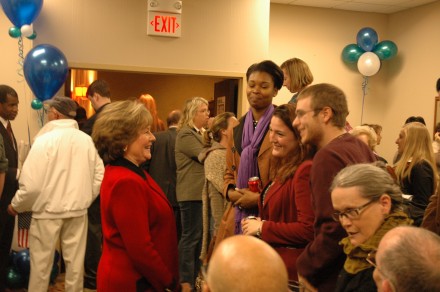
x=321, y=115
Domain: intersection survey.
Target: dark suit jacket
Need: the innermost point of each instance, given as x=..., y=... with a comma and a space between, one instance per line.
x=162, y=166
x=11, y=183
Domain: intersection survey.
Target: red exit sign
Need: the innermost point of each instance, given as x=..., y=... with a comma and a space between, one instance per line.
x=164, y=24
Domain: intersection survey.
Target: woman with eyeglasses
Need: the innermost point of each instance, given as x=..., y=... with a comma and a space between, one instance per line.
x=367, y=203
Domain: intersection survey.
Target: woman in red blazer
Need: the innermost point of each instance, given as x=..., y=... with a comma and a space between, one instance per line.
x=286, y=215
x=140, y=242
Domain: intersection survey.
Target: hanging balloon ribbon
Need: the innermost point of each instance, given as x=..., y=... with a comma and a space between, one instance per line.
x=22, y=14
x=368, y=53
x=45, y=70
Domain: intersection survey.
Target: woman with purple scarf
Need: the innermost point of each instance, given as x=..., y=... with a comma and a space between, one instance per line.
x=251, y=149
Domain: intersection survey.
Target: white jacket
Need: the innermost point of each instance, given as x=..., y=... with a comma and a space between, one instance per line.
x=62, y=174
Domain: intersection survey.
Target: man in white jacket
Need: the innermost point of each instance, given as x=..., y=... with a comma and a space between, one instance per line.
x=60, y=179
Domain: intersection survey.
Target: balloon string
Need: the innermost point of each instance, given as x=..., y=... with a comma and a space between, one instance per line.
x=20, y=59
x=364, y=92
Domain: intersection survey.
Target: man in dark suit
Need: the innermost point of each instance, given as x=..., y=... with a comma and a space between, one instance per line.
x=162, y=166
x=99, y=95
x=8, y=112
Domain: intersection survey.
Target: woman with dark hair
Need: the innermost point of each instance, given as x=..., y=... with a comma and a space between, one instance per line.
x=286, y=214
x=251, y=149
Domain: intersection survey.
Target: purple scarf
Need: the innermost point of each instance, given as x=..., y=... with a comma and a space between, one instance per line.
x=250, y=143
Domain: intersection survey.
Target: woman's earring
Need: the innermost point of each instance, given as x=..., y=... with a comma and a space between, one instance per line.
x=125, y=148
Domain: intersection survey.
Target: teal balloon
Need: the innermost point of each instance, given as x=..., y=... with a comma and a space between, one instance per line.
x=14, y=32
x=32, y=36
x=351, y=53
x=36, y=104
x=14, y=280
x=385, y=50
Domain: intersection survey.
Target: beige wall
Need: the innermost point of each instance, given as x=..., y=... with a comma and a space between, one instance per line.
x=9, y=74
x=125, y=85
x=222, y=38
x=404, y=86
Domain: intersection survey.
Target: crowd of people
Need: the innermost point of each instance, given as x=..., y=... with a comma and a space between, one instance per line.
x=283, y=198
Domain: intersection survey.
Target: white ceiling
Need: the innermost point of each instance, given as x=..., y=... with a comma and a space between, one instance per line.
x=379, y=6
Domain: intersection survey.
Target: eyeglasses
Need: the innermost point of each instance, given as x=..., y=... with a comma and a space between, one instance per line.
x=351, y=213
x=371, y=258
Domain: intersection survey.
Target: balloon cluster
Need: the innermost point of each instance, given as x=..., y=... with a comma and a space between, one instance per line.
x=22, y=13
x=45, y=66
x=368, y=53
x=20, y=267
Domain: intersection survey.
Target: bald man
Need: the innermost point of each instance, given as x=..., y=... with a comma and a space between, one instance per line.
x=407, y=260
x=245, y=263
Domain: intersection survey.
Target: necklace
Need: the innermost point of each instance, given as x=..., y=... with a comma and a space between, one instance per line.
x=255, y=123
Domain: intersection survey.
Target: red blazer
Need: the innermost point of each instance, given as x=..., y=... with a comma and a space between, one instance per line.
x=289, y=217
x=140, y=241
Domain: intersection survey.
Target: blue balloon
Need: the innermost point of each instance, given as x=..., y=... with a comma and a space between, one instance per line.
x=367, y=38
x=22, y=262
x=45, y=70
x=21, y=12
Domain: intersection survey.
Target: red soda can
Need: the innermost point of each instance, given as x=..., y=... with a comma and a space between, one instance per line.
x=254, y=184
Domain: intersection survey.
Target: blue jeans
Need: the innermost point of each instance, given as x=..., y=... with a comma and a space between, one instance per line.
x=191, y=241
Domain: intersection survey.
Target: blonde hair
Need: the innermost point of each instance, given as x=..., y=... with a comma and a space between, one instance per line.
x=369, y=132
x=299, y=73
x=189, y=111
x=219, y=123
x=149, y=102
x=118, y=125
x=417, y=148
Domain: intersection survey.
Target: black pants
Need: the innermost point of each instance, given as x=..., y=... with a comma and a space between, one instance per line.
x=7, y=223
x=94, y=244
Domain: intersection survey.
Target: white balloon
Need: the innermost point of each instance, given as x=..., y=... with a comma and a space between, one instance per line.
x=368, y=64
x=26, y=30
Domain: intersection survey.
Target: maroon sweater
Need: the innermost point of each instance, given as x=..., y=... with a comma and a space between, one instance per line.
x=323, y=258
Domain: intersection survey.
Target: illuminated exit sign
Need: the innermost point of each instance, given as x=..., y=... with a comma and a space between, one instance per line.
x=164, y=24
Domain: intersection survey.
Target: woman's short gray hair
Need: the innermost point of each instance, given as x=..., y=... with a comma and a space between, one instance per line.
x=373, y=180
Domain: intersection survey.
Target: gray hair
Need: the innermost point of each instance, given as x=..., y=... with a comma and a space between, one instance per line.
x=190, y=110
x=369, y=132
x=372, y=180
x=411, y=260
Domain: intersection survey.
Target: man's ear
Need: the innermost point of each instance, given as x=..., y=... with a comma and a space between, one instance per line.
x=327, y=114
x=387, y=286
